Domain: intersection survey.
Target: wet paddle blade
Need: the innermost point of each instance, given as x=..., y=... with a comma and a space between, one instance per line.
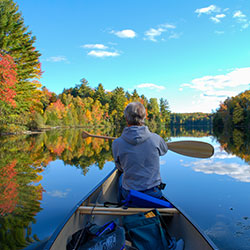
x=192, y=148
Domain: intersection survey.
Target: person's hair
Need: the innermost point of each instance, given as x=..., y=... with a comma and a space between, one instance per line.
x=135, y=113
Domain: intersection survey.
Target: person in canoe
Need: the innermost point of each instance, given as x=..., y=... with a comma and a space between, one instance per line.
x=136, y=154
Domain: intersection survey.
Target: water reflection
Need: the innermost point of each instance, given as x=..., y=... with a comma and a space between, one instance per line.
x=220, y=165
x=194, y=131
x=20, y=195
x=235, y=141
x=22, y=161
x=40, y=176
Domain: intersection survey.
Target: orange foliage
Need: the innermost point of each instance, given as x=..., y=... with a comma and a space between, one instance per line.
x=59, y=147
x=8, y=188
x=8, y=79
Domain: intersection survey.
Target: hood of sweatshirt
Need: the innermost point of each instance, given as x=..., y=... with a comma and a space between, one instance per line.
x=136, y=134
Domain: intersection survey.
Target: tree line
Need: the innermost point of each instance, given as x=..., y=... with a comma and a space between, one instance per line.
x=191, y=119
x=234, y=112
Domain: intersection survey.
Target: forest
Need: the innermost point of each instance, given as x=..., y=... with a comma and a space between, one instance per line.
x=191, y=119
x=234, y=112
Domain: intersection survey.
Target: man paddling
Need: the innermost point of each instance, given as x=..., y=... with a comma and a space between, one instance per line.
x=136, y=153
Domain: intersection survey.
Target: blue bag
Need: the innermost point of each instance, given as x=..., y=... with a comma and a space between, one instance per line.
x=107, y=237
x=139, y=199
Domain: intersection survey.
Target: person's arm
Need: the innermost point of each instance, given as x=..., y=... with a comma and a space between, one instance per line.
x=163, y=147
x=116, y=156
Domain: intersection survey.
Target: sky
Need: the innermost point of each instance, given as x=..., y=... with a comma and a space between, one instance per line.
x=193, y=53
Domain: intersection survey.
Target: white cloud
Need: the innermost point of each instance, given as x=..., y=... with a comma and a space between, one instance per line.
x=128, y=33
x=56, y=59
x=102, y=53
x=217, y=18
x=152, y=33
x=94, y=46
x=239, y=14
x=219, y=32
x=237, y=77
x=222, y=93
x=207, y=10
x=150, y=86
x=242, y=19
x=215, y=89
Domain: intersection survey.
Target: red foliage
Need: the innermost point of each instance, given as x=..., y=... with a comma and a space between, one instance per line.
x=47, y=93
x=8, y=188
x=7, y=79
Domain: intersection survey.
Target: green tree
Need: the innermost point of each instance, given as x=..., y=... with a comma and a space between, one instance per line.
x=117, y=105
x=83, y=90
x=165, y=112
x=100, y=95
x=18, y=42
x=238, y=114
x=153, y=109
x=135, y=96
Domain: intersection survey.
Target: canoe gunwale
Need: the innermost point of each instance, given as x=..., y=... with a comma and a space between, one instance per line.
x=61, y=226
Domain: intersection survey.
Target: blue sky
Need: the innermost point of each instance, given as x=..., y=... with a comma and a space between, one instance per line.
x=192, y=53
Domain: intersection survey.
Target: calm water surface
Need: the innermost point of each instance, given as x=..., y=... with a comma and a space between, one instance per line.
x=42, y=177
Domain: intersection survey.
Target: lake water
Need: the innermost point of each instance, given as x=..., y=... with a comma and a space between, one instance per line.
x=43, y=176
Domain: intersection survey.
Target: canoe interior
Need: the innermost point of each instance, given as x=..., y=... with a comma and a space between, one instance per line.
x=178, y=225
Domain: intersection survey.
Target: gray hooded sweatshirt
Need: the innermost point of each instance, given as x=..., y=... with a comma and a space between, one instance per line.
x=136, y=154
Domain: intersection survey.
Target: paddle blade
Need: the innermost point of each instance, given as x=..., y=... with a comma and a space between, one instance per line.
x=192, y=148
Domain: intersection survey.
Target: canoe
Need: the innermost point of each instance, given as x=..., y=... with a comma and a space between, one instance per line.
x=178, y=224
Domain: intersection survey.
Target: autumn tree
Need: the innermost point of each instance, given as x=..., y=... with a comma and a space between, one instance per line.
x=17, y=42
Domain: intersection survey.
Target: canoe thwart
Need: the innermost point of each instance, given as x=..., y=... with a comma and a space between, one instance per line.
x=123, y=211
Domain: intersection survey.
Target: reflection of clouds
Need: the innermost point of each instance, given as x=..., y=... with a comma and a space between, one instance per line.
x=219, y=153
x=162, y=162
x=223, y=155
x=237, y=171
x=58, y=193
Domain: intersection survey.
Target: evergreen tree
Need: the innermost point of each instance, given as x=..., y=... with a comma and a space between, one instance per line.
x=117, y=105
x=153, y=109
x=165, y=112
x=100, y=94
x=135, y=96
x=18, y=42
x=83, y=90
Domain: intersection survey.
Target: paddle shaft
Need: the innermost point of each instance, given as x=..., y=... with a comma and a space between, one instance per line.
x=195, y=149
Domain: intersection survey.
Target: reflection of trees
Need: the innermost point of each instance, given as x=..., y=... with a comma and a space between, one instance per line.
x=19, y=200
x=69, y=146
x=235, y=141
x=193, y=131
x=22, y=158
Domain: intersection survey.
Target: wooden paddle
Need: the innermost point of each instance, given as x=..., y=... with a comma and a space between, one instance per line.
x=195, y=149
